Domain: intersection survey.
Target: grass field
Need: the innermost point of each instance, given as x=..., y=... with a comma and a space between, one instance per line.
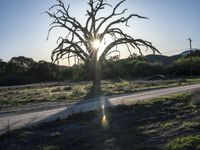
x=166, y=123
x=71, y=92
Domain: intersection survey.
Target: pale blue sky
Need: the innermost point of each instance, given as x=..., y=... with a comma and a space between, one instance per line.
x=23, y=29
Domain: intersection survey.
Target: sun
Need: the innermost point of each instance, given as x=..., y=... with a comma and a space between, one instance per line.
x=96, y=43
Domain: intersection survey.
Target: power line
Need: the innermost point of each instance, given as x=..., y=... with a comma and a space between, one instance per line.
x=181, y=50
x=166, y=52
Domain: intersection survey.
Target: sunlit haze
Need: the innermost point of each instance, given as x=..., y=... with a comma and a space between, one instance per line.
x=96, y=43
x=24, y=26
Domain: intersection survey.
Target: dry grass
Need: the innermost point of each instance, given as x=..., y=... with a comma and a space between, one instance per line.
x=169, y=123
x=71, y=92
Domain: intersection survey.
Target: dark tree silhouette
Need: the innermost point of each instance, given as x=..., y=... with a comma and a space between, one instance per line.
x=2, y=66
x=22, y=61
x=83, y=40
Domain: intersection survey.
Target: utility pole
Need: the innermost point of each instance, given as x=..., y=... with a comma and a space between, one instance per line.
x=190, y=43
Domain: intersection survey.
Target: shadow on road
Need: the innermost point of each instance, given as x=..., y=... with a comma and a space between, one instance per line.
x=141, y=126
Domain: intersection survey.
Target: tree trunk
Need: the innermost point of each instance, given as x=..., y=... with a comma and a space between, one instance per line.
x=97, y=77
x=96, y=74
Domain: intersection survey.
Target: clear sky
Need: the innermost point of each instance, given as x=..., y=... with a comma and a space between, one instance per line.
x=23, y=27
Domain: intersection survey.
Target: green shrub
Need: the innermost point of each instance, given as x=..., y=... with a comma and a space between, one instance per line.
x=195, y=99
x=184, y=143
x=67, y=88
x=57, y=89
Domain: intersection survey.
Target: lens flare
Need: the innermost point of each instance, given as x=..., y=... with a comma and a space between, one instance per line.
x=96, y=44
x=104, y=121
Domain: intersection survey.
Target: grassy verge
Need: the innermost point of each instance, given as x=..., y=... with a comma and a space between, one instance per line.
x=73, y=92
x=193, y=80
x=168, y=123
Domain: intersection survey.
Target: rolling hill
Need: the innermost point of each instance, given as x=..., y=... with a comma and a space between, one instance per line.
x=170, y=59
x=162, y=59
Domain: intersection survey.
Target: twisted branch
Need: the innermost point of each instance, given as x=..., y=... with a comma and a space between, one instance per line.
x=78, y=42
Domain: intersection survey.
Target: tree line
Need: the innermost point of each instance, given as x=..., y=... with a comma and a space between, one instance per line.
x=23, y=70
x=140, y=68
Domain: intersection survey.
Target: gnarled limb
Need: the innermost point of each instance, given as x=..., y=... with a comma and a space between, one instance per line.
x=135, y=43
x=79, y=40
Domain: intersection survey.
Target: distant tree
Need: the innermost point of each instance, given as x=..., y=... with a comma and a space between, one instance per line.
x=2, y=66
x=22, y=61
x=66, y=73
x=19, y=64
x=182, y=67
x=44, y=71
x=195, y=52
x=83, y=41
x=143, y=68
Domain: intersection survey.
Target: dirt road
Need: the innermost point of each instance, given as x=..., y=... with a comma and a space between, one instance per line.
x=10, y=121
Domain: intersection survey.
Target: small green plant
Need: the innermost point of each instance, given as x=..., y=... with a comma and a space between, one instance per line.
x=57, y=89
x=190, y=124
x=184, y=143
x=168, y=125
x=24, y=134
x=49, y=147
x=195, y=99
x=67, y=88
x=56, y=134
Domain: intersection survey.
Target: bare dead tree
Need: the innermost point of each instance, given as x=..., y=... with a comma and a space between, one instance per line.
x=80, y=40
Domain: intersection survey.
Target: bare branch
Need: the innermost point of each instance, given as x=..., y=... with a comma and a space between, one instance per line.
x=135, y=43
x=79, y=38
x=121, y=20
x=114, y=51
